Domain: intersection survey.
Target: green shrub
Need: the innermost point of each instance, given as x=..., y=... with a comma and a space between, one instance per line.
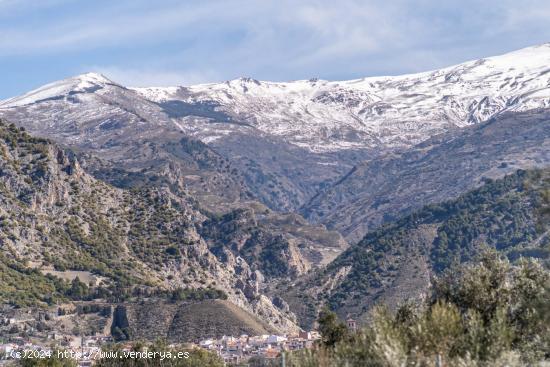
x=489, y=313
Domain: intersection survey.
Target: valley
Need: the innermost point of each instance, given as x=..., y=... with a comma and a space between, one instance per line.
x=244, y=207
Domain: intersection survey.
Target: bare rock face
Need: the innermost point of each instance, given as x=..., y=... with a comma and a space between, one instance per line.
x=56, y=216
x=249, y=289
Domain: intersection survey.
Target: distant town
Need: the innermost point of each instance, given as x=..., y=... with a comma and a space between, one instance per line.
x=23, y=336
x=85, y=350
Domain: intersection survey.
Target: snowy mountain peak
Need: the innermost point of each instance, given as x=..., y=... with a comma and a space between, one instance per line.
x=83, y=83
x=320, y=115
x=388, y=111
x=93, y=78
x=526, y=58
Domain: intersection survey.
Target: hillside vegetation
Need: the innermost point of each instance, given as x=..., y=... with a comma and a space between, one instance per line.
x=66, y=236
x=486, y=313
x=53, y=215
x=397, y=261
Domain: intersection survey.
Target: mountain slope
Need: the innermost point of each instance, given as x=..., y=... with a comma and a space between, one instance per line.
x=395, y=262
x=191, y=321
x=56, y=219
x=127, y=132
x=372, y=112
x=91, y=114
x=189, y=184
x=440, y=168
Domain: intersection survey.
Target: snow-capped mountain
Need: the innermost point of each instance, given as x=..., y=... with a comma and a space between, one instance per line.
x=84, y=83
x=372, y=112
x=87, y=109
x=319, y=115
x=282, y=143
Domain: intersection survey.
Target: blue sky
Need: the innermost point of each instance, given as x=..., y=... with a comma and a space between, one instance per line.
x=168, y=42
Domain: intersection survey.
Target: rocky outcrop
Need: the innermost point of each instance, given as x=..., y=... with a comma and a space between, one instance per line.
x=272, y=245
x=55, y=215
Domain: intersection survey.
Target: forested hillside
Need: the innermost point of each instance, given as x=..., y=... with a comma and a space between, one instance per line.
x=398, y=260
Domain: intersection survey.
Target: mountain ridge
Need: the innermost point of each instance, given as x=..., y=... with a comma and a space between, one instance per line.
x=331, y=116
x=439, y=168
x=210, y=184
x=284, y=142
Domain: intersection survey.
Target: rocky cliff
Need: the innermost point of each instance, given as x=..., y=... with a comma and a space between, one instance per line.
x=57, y=220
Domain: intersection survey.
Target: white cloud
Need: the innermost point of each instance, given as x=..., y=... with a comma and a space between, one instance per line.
x=208, y=40
x=89, y=31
